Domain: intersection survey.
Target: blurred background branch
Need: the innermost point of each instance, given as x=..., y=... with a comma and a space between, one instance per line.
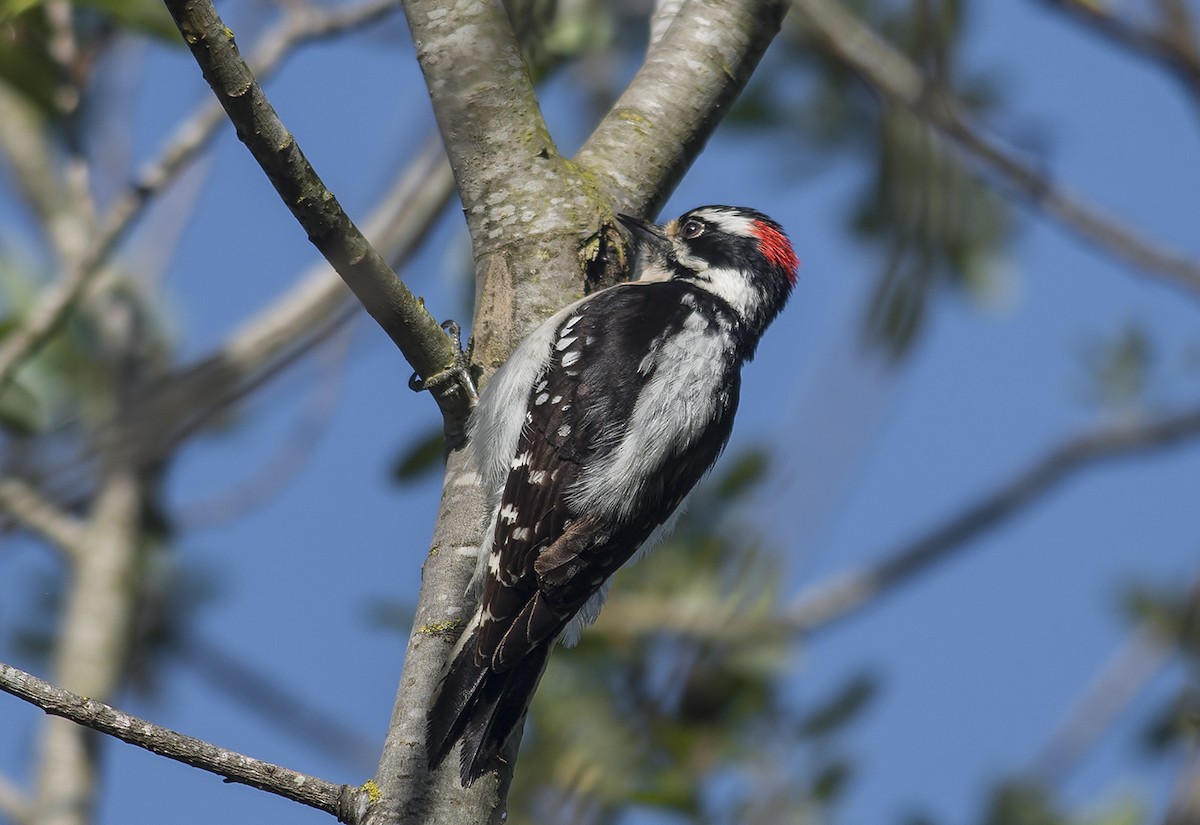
x=895, y=77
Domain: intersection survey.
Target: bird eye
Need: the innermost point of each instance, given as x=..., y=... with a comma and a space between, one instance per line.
x=691, y=228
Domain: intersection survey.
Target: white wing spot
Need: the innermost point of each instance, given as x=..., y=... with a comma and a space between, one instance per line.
x=566, y=407
x=521, y=533
x=565, y=342
x=521, y=460
x=537, y=477
x=564, y=430
x=570, y=358
x=556, y=399
x=541, y=399
x=508, y=515
x=572, y=321
x=540, y=386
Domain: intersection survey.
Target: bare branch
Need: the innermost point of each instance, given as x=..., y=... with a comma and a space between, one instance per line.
x=419, y=337
x=343, y=801
x=823, y=603
x=26, y=143
x=826, y=602
x=92, y=646
x=316, y=307
x=677, y=98
x=1139, y=658
x=26, y=504
x=192, y=136
x=895, y=76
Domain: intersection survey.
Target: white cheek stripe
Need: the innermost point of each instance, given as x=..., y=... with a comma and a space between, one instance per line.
x=731, y=286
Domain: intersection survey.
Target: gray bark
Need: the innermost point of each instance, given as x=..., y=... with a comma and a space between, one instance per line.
x=542, y=232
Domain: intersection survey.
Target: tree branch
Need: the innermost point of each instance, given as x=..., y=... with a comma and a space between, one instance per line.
x=27, y=144
x=896, y=77
x=542, y=229
x=484, y=103
x=823, y=603
x=92, y=647
x=677, y=98
x=343, y=801
x=1140, y=657
x=820, y=605
x=401, y=315
x=294, y=323
x=538, y=226
x=32, y=510
x=56, y=302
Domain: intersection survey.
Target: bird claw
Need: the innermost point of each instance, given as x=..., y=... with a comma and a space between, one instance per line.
x=460, y=372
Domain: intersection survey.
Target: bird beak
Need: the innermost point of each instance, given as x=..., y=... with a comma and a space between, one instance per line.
x=646, y=234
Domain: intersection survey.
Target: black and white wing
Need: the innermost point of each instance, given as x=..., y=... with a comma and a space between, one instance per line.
x=601, y=460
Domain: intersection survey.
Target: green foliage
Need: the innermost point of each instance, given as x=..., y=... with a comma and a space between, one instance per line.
x=1173, y=614
x=67, y=387
x=25, y=62
x=419, y=458
x=1027, y=803
x=1119, y=368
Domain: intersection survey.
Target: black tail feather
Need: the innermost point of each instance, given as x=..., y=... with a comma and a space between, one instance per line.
x=454, y=703
x=500, y=706
x=482, y=707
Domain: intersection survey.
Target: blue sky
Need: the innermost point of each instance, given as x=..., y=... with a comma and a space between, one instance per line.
x=979, y=660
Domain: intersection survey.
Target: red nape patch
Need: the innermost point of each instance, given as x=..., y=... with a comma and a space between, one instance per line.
x=777, y=248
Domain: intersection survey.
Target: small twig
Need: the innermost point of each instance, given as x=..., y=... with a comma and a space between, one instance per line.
x=896, y=77
x=343, y=801
x=32, y=510
x=419, y=337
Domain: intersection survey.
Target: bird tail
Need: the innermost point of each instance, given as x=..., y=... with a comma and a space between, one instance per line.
x=480, y=706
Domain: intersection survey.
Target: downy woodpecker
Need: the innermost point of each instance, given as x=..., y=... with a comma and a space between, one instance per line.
x=589, y=438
